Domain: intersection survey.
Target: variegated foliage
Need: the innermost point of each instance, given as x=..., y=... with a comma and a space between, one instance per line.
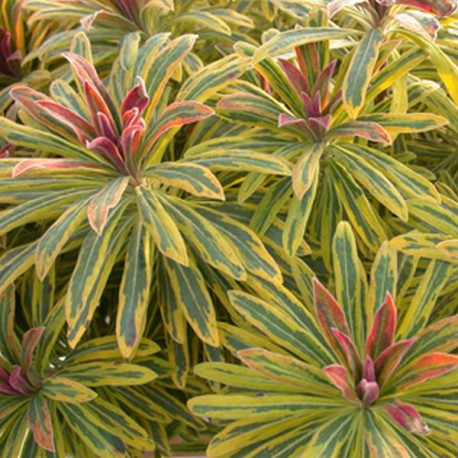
x=352, y=167
x=97, y=169
x=89, y=401
x=353, y=376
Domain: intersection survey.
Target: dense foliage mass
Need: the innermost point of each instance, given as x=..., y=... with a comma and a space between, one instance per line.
x=229, y=227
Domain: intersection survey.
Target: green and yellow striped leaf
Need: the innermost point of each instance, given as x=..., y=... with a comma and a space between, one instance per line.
x=57, y=235
x=384, y=275
x=298, y=215
x=120, y=424
x=246, y=243
x=364, y=220
x=286, y=41
x=134, y=291
x=278, y=326
x=106, y=199
x=192, y=178
x=62, y=389
x=211, y=244
x=193, y=298
x=374, y=181
x=161, y=226
x=15, y=262
x=288, y=371
x=105, y=373
x=242, y=161
x=359, y=73
x=90, y=430
x=348, y=278
x=422, y=305
x=406, y=123
x=96, y=257
x=271, y=406
x=9, y=344
x=306, y=168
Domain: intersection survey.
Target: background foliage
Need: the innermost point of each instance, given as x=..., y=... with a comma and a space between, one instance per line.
x=228, y=227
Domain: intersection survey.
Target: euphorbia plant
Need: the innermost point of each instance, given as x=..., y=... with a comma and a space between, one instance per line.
x=117, y=191
x=330, y=379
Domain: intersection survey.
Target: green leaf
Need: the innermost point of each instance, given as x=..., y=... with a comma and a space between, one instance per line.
x=211, y=244
x=298, y=215
x=359, y=73
x=193, y=178
x=278, y=326
x=306, y=168
x=348, y=275
x=62, y=389
x=194, y=300
x=96, y=258
x=89, y=429
x=285, y=41
x=287, y=370
x=422, y=305
x=247, y=245
x=104, y=373
x=161, y=226
x=234, y=407
x=106, y=199
x=374, y=181
x=120, y=424
x=134, y=292
x=406, y=123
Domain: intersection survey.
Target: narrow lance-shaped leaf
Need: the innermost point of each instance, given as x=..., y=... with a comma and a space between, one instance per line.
x=193, y=178
x=285, y=41
x=359, y=73
x=390, y=358
x=362, y=129
x=62, y=389
x=306, y=168
x=29, y=341
x=106, y=199
x=329, y=313
x=161, y=226
x=134, y=291
x=176, y=115
x=57, y=235
x=40, y=423
x=195, y=301
x=407, y=417
x=342, y=380
x=425, y=368
x=381, y=335
x=349, y=292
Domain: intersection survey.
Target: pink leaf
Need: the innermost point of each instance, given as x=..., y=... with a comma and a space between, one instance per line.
x=351, y=352
x=407, y=417
x=328, y=312
x=27, y=165
x=369, y=369
x=130, y=138
x=137, y=97
x=381, y=336
x=368, y=392
x=109, y=150
x=5, y=388
x=68, y=117
x=294, y=75
x=323, y=83
x=19, y=381
x=368, y=130
x=390, y=358
x=438, y=7
x=426, y=368
x=29, y=342
x=342, y=380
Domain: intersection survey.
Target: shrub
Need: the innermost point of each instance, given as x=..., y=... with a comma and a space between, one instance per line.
x=183, y=184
